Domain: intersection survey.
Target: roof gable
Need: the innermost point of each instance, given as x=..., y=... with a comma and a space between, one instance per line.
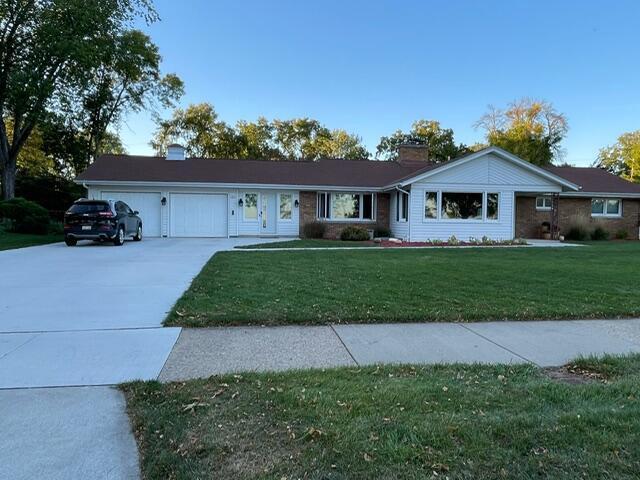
x=491, y=165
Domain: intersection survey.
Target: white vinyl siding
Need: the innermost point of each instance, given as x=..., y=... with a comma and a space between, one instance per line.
x=235, y=225
x=485, y=175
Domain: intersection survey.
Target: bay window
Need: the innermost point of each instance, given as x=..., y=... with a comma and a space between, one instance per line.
x=346, y=206
x=606, y=207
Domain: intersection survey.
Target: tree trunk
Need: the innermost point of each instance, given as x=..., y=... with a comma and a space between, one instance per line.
x=9, y=181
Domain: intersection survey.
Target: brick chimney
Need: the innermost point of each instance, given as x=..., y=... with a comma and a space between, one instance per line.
x=412, y=153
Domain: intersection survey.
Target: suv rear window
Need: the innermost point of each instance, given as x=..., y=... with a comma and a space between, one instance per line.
x=89, y=207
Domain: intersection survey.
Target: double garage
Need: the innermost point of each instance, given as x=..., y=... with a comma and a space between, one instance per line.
x=176, y=214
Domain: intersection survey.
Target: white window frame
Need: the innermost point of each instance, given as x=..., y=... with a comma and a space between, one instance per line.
x=280, y=219
x=330, y=218
x=244, y=204
x=401, y=198
x=439, y=218
x=544, y=207
x=604, y=210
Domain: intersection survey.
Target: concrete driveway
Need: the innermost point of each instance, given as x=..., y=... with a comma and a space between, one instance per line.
x=80, y=318
x=92, y=314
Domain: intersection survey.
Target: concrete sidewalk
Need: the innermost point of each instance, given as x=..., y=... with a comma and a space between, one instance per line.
x=202, y=352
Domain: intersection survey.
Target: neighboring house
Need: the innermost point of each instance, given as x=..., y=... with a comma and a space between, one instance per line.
x=488, y=193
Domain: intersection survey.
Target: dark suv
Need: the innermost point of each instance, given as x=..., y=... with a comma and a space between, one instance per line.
x=101, y=220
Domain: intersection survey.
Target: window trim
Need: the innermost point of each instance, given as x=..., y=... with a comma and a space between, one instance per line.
x=402, y=205
x=360, y=219
x=544, y=200
x=604, y=213
x=280, y=219
x=439, y=218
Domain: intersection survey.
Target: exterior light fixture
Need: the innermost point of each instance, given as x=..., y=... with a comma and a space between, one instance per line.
x=296, y=203
x=240, y=202
x=163, y=201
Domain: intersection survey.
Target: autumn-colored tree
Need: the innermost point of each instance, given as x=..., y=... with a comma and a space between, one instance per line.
x=530, y=129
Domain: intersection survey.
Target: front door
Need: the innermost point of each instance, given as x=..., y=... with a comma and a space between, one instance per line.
x=268, y=213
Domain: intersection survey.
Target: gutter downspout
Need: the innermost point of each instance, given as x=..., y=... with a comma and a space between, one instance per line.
x=397, y=187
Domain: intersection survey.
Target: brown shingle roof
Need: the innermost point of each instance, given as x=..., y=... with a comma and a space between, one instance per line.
x=343, y=173
x=595, y=180
x=326, y=172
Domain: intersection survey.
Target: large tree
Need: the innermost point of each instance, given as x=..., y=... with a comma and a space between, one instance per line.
x=51, y=54
x=203, y=134
x=531, y=129
x=438, y=140
x=623, y=157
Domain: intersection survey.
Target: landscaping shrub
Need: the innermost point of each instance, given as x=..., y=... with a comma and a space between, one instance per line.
x=622, y=234
x=599, y=233
x=314, y=229
x=354, y=234
x=577, y=229
x=25, y=216
x=381, y=231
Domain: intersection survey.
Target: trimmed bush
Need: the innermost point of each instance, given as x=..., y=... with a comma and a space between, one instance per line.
x=355, y=234
x=381, y=231
x=622, y=234
x=599, y=233
x=25, y=216
x=314, y=229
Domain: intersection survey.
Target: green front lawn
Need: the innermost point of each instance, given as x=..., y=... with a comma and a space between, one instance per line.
x=395, y=285
x=10, y=241
x=311, y=243
x=456, y=422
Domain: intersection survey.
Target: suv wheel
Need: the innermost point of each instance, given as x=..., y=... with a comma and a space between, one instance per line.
x=71, y=242
x=138, y=236
x=119, y=238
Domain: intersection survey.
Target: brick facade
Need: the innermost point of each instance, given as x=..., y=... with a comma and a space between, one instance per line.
x=529, y=220
x=308, y=210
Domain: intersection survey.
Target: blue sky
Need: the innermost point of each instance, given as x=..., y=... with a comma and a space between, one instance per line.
x=372, y=67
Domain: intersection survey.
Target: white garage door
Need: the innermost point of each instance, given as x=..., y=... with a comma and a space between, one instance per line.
x=198, y=215
x=147, y=203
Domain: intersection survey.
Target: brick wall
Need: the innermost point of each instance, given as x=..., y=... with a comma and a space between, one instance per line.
x=528, y=219
x=308, y=214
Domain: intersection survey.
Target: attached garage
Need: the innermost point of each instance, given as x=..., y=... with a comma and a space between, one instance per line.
x=146, y=203
x=198, y=215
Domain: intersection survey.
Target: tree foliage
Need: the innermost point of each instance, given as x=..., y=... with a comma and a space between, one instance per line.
x=531, y=129
x=623, y=157
x=439, y=140
x=199, y=129
x=76, y=58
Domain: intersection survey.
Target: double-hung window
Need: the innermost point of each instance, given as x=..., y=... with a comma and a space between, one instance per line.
x=606, y=207
x=402, y=206
x=346, y=206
